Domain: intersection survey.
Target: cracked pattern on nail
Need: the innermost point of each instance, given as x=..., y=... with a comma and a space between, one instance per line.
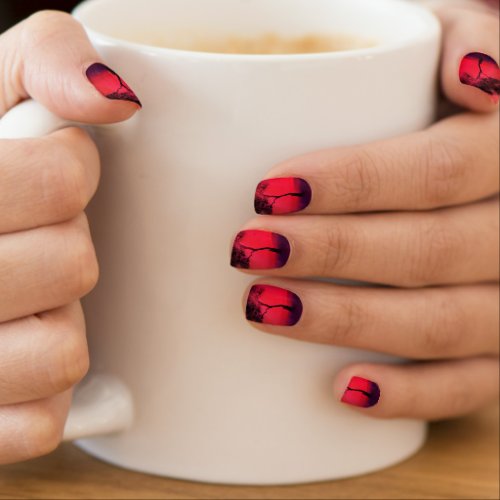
x=110, y=84
x=361, y=392
x=481, y=71
x=255, y=249
x=273, y=305
x=282, y=196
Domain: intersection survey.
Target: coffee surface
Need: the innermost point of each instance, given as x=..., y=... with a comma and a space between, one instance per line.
x=268, y=43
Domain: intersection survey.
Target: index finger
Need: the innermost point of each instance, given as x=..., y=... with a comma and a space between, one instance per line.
x=453, y=162
x=46, y=180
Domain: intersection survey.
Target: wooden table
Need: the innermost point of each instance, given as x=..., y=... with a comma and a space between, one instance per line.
x=460, y=460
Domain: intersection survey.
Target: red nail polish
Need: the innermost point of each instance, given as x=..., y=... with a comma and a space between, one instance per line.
x=361, y=392
x=282, y=196
x=109, y=84
x=273, y=305
x=481, y=71
x=255, y=249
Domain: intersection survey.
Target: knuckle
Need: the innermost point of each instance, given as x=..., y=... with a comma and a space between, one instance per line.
x=435, y=247
x=81, y=270
x=70, y=358
x=348, y=323
x=38, y=25
x=456, y=399
x=64, y=184
x=337, y=243
x=355, y=178
x=444, y=171
x=27, y=149
x=443, y=332
x=47, y=16
x=44, y=432
x=39, y=29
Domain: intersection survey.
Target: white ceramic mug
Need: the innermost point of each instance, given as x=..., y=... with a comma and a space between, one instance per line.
x=192, y=391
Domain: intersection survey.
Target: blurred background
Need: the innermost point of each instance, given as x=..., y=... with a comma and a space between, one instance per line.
x=13, y=11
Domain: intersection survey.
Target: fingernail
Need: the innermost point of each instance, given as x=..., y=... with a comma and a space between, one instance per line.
x=282, y=196
x=481, y=71
x=254, y=249
x=109, y=83
x=361, y=392
x=273, y=305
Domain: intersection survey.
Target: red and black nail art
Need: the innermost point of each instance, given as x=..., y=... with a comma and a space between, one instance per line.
x=273, y=306
x=481, y=71
x=254, y=249
x=361, y=392
x=282, y=195
x=109, y=84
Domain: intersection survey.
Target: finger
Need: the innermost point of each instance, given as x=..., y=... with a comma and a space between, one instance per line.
x=48, y=180
x=49, y=58
x=453, y=162
x=429, y=323
x=42, y=355
x=448, y=246
x=32, y=429
x=45, y=268
x=430, y=391
x=470, y=74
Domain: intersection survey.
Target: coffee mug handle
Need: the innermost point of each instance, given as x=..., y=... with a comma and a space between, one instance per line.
x=102, y=404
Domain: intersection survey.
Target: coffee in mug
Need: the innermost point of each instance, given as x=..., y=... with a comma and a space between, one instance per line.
x=267, y=43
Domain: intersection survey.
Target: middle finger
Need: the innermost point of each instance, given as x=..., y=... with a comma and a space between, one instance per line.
x=45, y=268
x=447, y=246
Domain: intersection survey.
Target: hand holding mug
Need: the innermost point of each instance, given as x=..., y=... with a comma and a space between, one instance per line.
x=47, y=259
x=418, y=213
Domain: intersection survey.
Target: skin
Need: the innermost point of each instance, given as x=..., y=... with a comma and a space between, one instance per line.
x=428, y=215
x=419, y=214
x=47, y=259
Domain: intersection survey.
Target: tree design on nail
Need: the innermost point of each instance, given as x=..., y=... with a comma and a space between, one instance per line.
x=273, y=305
x=256, y=249
x=282, y=196
x=481, y=71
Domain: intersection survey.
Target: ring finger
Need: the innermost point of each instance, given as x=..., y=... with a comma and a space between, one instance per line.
x=428, y=323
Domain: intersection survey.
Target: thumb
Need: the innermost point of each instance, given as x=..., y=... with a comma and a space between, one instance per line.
x=49, y=58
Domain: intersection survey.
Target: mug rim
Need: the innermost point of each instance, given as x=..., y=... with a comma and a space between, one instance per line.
x=433, y=30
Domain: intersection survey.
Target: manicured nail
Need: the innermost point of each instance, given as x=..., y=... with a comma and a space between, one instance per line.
x=109, y=84
x=273, y=306
x=254, y=249
x=481, y=71
x=361, y=392
x=282, y=196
